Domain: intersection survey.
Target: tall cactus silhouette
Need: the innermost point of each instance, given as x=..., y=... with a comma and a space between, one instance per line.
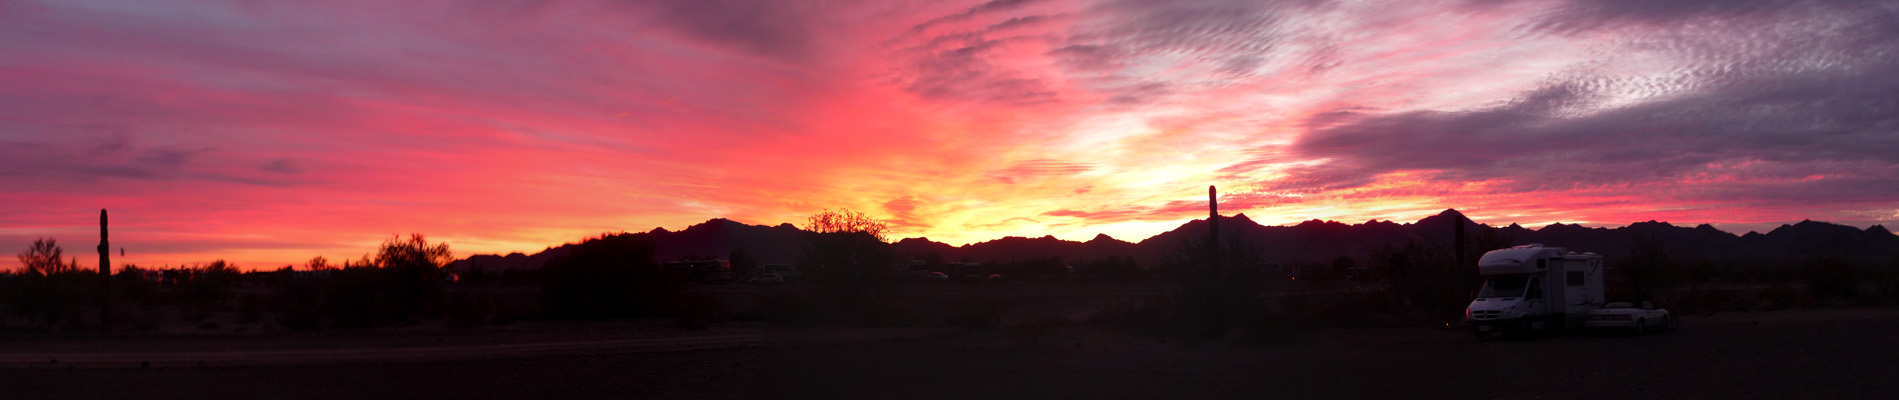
x=105, y=273
x=1213, y=228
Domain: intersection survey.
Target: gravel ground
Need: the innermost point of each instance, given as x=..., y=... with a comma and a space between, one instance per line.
x=1797, y=354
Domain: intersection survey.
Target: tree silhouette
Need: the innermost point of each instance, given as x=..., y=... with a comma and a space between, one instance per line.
x=847, y=221
x=44, y=258
x=415, y=252
x=318, y=263
x=414, y=268
x=49, y=289
x=213, y=283
x=609, y=276
x=854, y=262
x=394, y=283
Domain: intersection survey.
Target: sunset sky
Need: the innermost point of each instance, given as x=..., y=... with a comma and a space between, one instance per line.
x=266, y=133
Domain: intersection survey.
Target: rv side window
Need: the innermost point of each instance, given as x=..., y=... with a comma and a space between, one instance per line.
x=1536, y=290
x=1575, y=278
x=1542, y=263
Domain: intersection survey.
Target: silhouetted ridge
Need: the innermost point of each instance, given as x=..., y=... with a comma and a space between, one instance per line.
x=1878, y=231
x=1311, y=241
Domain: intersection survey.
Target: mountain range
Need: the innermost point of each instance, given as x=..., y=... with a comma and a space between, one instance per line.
x=1307, y=242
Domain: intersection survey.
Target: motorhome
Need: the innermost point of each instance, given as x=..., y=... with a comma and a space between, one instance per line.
x=1534, y=288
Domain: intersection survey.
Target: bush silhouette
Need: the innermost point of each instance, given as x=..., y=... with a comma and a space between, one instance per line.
x=856, y=266
x=51, y=299
x=211, y=283
x=403, y=278
x=414, y=269
x=606, y=277
x=43, y=258
x=355, y=297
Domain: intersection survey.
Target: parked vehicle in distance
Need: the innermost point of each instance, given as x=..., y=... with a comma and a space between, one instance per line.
x=993, y=278
x=788, y=271
x=1534, y=288
x=768, y=279
x=937, y=277
x=1638, y=316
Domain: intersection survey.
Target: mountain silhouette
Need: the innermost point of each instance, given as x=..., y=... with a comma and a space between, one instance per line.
x=715, y=238
x=1312, y=241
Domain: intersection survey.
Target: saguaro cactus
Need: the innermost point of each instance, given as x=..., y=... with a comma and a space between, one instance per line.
x=1213, y=234
x=1214, y=277
x=105, y=273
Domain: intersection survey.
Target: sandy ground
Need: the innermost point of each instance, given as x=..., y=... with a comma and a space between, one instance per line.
x=1783, y=354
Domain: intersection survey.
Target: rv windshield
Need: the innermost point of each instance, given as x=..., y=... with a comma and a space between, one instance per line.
x=1504, y=286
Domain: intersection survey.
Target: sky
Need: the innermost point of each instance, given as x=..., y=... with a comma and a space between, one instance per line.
x=265, y=133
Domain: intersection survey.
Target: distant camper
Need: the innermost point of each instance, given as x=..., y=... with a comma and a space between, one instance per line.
x=700, y=270
x=788, y=271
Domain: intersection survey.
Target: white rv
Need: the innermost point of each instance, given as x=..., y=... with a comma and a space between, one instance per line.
x=1534, y=288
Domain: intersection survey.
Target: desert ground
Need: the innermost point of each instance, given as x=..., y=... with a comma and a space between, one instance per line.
x=1824, y=353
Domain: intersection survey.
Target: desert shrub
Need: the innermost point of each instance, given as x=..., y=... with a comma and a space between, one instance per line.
x=60, y=298
x=354, y=298
x=853, y=262
x=298, y=299
x=411, y=271
x=211, y=283
x=855, y=269
x=608, y=277
x=131, y=286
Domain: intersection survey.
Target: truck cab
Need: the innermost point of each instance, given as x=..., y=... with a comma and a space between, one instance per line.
x=1534, y=288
